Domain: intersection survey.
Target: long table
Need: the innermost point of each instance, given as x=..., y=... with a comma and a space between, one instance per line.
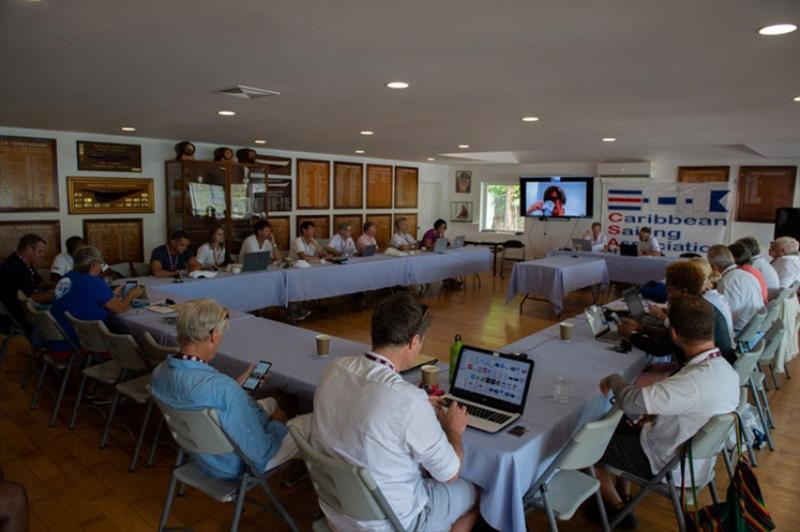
x=277, y=287
x=502, y=465
x=623, y=269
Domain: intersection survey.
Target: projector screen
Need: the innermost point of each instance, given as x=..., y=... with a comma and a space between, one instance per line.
x=557, y=197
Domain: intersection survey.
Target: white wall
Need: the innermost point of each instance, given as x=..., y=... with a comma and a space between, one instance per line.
x=154, y=153
x=541, y=236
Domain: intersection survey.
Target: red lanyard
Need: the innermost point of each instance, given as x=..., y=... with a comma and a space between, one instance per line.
x=380, y=361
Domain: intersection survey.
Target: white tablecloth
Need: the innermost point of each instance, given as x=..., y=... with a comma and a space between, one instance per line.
x=622, y=269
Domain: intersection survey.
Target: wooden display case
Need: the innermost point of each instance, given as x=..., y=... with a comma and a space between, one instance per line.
x=204, y=194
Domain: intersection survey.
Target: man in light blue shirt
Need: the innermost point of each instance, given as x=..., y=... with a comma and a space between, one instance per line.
x=186, y=382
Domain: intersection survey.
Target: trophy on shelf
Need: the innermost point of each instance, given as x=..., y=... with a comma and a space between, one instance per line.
x=223, y=155
x=184, y=151
x=246, y=156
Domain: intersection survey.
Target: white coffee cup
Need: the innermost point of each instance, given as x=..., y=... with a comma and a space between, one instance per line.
x=566, y=330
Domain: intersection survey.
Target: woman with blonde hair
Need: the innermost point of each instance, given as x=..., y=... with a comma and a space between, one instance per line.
x=711, y=294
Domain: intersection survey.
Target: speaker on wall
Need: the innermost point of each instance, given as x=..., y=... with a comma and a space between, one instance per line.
x=787, y=222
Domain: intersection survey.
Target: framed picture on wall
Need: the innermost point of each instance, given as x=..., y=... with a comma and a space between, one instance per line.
x=460, y=211
x=463, y=181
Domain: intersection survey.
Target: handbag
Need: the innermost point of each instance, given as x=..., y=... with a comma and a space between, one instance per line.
x=744, y=509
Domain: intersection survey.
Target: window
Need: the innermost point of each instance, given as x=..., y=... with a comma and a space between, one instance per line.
x=502, y=212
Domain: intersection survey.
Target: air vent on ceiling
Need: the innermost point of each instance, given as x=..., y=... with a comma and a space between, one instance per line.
x=249, y=93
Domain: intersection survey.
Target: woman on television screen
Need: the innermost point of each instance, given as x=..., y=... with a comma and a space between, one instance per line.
x=551, y=204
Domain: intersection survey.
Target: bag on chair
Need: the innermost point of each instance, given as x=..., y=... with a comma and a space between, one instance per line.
x=744, y=510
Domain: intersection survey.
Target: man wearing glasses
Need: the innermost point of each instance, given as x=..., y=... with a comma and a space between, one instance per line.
x=186, y=381
x=391, y=427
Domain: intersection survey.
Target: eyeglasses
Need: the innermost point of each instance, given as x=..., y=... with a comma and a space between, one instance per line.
x=222, y=322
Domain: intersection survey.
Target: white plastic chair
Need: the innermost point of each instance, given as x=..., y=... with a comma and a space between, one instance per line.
x=706, y=445
x=156, y=354
x=745, y=366
x=348, y=489
x=199, y=432
x=749, y=335
x=562, y=488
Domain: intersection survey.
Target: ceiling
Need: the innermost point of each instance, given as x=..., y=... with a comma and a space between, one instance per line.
x=666, y=78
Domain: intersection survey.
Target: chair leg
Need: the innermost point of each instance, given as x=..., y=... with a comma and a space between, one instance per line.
x=142, y=433
x=786, y=371
x=600, y=505
x=551, y=518
x=278, y=506
x=162, y=525
x=750, y=452
x=154, y=446
x=767, y=408
x=237, y=511
x=712, y=487
x=107, y=429
x=74, y=417
x=728, y=463
x=64, y=381
x=39, y=382
x=761, y=415
x=676, y=503
x=766, y=379
x=31, y=365
x=774, y=377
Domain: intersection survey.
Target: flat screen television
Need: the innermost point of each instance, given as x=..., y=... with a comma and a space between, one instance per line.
x=557, y=197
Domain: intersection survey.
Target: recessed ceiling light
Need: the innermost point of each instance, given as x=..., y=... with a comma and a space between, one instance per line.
x=609, y=139
x=226, y=113
x=777, y=29
x=796, y=99
x=359, y=151
x=260, y=141
x=431, y=158
x=128, y=129
x=530, y=118
x=367, y=132
x=397, y=85
x=463, y=146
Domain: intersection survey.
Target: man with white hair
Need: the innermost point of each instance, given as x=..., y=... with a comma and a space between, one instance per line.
x=786, y=261
x=739, y=287
x=186, y=381
x=760, y=263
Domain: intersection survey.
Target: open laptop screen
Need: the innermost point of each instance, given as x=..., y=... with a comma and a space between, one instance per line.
x=500, y=381
x=633, y=300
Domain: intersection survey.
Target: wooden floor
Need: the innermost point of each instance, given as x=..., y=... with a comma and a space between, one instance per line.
x=73, y=485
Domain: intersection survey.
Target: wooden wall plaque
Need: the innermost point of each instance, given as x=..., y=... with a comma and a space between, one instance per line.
x=120, y=239
x=109, y=195
x=406, y=186
x=323, y=223
x=28, y=174
x=384, y=232
x=354, y=220
x=348, y=185
x=313, y=184
x=109, y=156
x=411, y=218
x=703, y=174
x=50, y=230
x=379, y=186
x=285, y=168
x=280, y=227
x=762, y=190
x=279, y=195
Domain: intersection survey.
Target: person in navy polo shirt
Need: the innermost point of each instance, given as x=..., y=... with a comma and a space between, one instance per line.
x=175, y=255
x=86, y=296
x=18, y=273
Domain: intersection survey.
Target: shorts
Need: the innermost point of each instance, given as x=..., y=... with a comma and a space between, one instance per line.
x=447, y=502
x=625, y=452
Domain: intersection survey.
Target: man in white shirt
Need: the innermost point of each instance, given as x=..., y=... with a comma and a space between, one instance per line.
x=305, y=246
x=740, y=288
x=761, y=264
x=598, y=238
x=682, y=403
x=62, y=263
x=262, y=239
x=647, y=244
x=401, y=239
x=786, y=261
x=342, y=242
x=367, y=415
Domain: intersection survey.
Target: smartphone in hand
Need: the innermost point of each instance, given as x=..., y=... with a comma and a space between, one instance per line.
x=254, y=379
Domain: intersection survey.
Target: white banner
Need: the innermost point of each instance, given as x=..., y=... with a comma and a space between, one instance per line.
x=684, y=217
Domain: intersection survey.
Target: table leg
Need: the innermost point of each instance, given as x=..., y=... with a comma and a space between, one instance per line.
x=523, y=302
x=494, y=261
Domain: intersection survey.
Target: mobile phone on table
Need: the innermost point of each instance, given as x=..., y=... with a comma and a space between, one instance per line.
x=127, y=287
x=252, y=381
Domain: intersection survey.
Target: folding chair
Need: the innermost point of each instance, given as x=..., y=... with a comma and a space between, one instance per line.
x=562, y=488
x=348, y=489
x=199, y=432
x=773, y=339
x=37, y=347
x=94, y=345
x=14, y=329
x=156, y=354
x=131, y=359
x=749, y=335
x=707, y=444
x=748, y=376
x=49, y=332
x=511, y=245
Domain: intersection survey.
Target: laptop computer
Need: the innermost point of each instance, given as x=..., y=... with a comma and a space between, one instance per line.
x=255, y=262
x=368, y=251
x=600, y=327
x=459, y=241
x=628, y=250
x=636, y=308
x=581, y=244
x=441, y=245
x=493, y=388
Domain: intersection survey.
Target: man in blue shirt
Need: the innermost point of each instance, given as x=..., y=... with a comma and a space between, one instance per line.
x=175, y=255
x=186, y=381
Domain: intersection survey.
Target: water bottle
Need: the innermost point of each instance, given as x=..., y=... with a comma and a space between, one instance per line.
x=455, y=349
x=548, y=207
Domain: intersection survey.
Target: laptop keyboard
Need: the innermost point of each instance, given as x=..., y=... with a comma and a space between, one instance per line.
x=483, y=413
